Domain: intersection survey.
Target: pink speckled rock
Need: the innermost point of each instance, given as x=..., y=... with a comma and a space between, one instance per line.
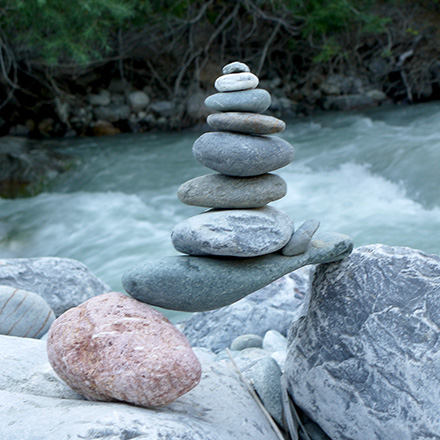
x=113, y=347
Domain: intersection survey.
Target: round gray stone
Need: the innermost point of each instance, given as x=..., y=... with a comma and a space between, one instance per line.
x=250, y=123
x=195, y=284
x=233, y=233
x=234, y=82
x=220, y=191
x=23, y=313
x=255, y=101
x=301, y=238
x=242, y=155
x=235, y=67
x=245, y=341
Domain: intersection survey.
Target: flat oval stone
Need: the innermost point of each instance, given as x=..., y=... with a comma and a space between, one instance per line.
x=234, y=82
x=301, y=238
x=235, y=233
x=255, y=101
x=113, y=347
x=24, y=313
x=250, y=123
x=235, y=67
x=242, y=155
x=194, y=284
x=220, y=191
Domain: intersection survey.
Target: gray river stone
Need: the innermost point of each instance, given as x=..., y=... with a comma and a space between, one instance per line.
x=62, y=282
x=301, y=238
x=364, y=360
x=234, y=82
x=246, y=341
x=23, y=313
x=235, y=67
x=220, y=191
x=233, y=233
x=242, y=122
x=242, y=155
x=255, y=101
x=195, y=284
x=36, y=405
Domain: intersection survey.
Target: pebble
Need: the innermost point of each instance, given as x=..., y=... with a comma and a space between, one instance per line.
x=250, y=123
x=235, y=67
x=194, y=284
x=274, y=341
x=115, y=348
x=220, y=191
x=242, y=155
x=246, y=341
x=234, y=82
x=301, y=238
x=254, y=101
x=234, y=233
x=23, y=313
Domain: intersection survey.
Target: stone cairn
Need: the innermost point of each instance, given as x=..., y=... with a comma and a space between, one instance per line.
x=240, y=223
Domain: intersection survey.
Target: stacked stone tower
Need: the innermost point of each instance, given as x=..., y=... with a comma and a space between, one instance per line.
x=240, y=223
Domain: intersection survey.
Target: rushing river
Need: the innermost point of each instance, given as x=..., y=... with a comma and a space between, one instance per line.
x=374, y=175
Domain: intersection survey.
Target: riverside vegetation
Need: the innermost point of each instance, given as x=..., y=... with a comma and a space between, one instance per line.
x=108, y=66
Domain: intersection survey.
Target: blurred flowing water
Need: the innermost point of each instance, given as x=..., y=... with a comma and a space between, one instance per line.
x=374, y=175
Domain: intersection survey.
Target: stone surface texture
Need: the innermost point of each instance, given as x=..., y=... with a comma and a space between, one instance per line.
x=234, y=82
x=301, y=238
x=250, y=123
x=195, y=284
x=36, y=405
x=242, y=155
x=235, y=67
x=235, y=232
x=256, y=101
x=220, y=191
x=23, y=313
x=115, y=348
x=275, y=306
x=62, y=282
x=364, y=361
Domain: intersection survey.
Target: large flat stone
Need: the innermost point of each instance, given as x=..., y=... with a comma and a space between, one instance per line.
x=255, y=101
x=242, y=155
x=36, y=405
x=243, y=122
x=196, y=284
x=364, y=360
x=233, y=232
x=220, y=191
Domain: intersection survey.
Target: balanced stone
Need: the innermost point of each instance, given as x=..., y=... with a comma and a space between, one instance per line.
x=250, y=123
x=234, y=82
x=115, y=348
x=220, y=191
x=241, y=155
x=23, y=313
x=194, y=284
x=255, y=101
x=301, y=238
x=235, y=67
x=235, y=233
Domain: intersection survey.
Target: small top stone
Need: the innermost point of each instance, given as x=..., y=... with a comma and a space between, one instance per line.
x=233, y=82
x=235, y=67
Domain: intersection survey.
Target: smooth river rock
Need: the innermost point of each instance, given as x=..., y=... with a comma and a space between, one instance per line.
x=255, y=101
x=250, y=123
x=36, y=405
x=234, y=82
x=301, y=238
x=62, y=282
x=115, y=348
x=364, y=360
x=220, y=191
x=23, y=313
x=241, y=155
x=233, y=233
x=195, y=284
x=235, y=67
